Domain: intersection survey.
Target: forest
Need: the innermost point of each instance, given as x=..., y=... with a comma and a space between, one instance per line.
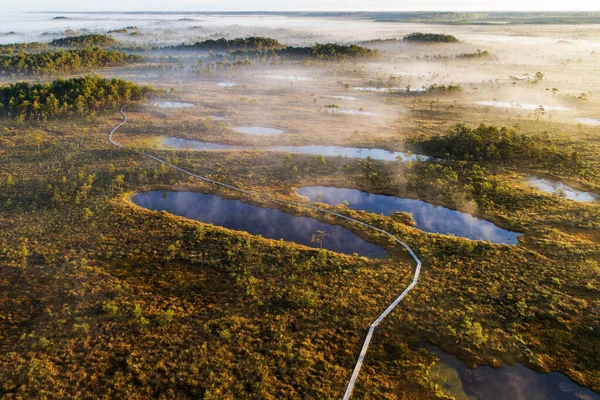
x=82, y=41
x=12, y=48
x=490, y=144
x=222, y=44
x=91, y=40
x=328, y=51
x=61, y=97
x=63, y=61
x=419, y=37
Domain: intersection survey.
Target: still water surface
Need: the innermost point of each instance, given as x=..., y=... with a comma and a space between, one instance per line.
x=428, y=217
x=267, y=222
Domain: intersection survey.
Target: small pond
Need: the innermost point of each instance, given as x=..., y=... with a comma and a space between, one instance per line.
x=188, y=144
x=172, y=104
x=336, y=110
x=351, y=152
x=267, y=222
x=227, y=84
x=522, y=106
x=330, y=151
x=258, y=130
x=389, y=89
x=588, y=121
x=287, y=77
x=512, y=382
x=557, y=188
x=349, y=98
x=428, y=217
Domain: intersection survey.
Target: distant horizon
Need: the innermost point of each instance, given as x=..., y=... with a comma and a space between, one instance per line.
x=297, y=11
x=205, y=6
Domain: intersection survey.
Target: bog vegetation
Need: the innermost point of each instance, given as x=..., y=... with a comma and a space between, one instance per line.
x=99, y=298
x=477, y=54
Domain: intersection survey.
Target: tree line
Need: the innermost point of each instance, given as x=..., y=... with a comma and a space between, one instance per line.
x=64, y=97
x=13, y=48
x=257, y=46
x=222, y=44
x=83, y=41
x=477, y=54
x=63, y=61
x=319, y=51
x=91, y=40
x=420, y=37
x=492, y=144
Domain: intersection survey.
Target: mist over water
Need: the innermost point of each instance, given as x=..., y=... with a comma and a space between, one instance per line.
x=317, y=150
x=349, y=112
x=588, y=121
x=355, y=107
x=562, y=190
x=172, y=104
x=387, y=89
x=428, y=217
x=258, y=130
x=187, y=144
x=348, y=98
x=287, y=77
x=524, y=106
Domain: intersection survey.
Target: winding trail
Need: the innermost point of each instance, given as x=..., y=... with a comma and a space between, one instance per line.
x=367, y=341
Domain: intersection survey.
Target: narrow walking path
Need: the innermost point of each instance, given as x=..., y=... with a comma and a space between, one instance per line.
x=367, y=341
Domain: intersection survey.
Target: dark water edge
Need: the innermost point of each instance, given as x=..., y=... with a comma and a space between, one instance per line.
x=428, y=217
x=266, y=222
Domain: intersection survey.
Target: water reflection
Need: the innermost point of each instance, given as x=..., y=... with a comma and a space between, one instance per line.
x=172, y=104
x=267, y=222
x=336, y=110
x=515, y=382
x=428, y=217
x=227, y=84
x=318, y=150
x=288, y=77
x=348, y=98
x=588, y=121
x=352, y=152
x=258, y=130
x=523, y=106
x=560, y=189
x=389, y=89
x=187, y=144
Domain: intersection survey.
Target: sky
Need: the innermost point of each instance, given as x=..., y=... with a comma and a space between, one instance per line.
x=300, y=5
